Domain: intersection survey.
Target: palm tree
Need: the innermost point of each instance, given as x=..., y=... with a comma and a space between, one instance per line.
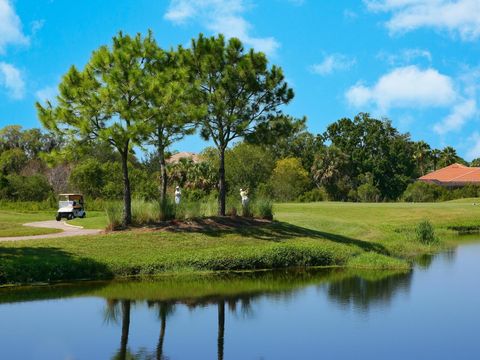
x=421, y=154
x=435, y=156
x=114, y=307
x=448, y=156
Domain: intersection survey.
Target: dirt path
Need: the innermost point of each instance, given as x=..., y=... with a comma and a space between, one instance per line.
x=68, y=230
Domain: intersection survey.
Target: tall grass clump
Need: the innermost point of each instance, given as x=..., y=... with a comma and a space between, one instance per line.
x=144, y=212
x=113, y=210
x=166, y=210
x=425, y=233
x=263, y=209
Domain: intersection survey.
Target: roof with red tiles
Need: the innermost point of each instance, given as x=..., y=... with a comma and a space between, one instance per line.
x=455, y=174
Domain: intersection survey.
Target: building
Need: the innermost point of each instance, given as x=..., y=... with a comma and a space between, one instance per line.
x=455, y=175
x=175, y=158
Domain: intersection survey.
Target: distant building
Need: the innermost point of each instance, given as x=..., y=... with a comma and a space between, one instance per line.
x=455, y=175
x=175, y=158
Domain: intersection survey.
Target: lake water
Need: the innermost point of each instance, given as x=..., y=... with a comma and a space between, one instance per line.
x=432, y=312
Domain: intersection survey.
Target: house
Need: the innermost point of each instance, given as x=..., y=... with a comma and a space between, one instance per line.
x=455, y=175
x=175, y=158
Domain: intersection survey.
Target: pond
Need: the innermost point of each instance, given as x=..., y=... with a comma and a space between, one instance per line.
x=432, y=312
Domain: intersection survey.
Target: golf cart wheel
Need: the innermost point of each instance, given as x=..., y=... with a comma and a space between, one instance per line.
x=71, y=216
x=84, y=215
x=58, y=218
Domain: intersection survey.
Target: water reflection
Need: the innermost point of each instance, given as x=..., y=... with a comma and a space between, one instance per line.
x=228, y=293
x=369, y=289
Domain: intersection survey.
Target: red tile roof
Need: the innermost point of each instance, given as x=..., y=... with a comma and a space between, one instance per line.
x=454, y=175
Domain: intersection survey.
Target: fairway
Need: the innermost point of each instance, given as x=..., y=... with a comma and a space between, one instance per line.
x=11, y=223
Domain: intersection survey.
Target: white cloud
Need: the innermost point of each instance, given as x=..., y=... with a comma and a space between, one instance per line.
x=11, y=79
x=333, y=62
x=459, y=17
x=458, y=117
x=350, y=14
x=47, y=93
x=474, y=151
x=403, y=87
x=10, y=26
x=405, y=56
x=220, y=16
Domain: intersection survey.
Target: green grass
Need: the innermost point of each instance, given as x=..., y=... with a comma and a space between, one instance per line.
x=368, y=236
x=94, y=220
x=11, y=223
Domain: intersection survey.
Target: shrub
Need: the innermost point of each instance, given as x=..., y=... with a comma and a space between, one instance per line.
x=144, y=212
x=368, y=193
x=423, y=192
x=247, y=210
x=425, y=233
x=114, y=212
x=263, y=208
x=166, y=210
x=27, y=188
x=314, y=195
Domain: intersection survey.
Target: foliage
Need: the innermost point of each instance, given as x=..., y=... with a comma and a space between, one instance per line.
x=317, y=194
x=425, y=233
x=263, y=208
x=246, y=167
x=420, y=191
x=240, y=91
x=113, y=211
x=376, y=147
x=106, y=100
x=289, y=179
x=25, y=188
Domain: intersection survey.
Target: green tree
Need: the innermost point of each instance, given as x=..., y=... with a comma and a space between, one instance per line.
x=435, y=158
x=376, y=147
x=88, y=177
x=171, y=107
x=421, y=154
x=12, y=161
x=241, y=93
x=449, y=156
x=106, y=101
x=331, y=170
x=247, y=166
x=289, y=179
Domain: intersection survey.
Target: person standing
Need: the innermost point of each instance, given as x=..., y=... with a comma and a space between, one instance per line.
x=178, y=195
x=244, y=196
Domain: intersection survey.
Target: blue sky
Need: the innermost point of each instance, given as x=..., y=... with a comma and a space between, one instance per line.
x=413, y=61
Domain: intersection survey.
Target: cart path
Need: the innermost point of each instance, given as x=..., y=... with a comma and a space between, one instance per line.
x=68, y=230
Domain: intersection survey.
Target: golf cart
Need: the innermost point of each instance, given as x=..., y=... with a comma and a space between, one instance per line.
x=70, y=206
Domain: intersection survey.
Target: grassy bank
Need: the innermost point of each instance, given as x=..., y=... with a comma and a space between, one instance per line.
x=316, y=234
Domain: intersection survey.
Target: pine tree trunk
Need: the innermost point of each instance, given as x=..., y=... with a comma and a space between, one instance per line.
x=125, y=328
x=163, y=173
x=222, y=191
x=221, y=330
x=127, y=196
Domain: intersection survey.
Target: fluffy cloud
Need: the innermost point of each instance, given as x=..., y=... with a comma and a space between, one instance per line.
x=220, y=16
x=458, y=117
x=474, y=151
x=458, y=17
x=407, y=86
x=333, y=62
x=10, y=26
x=11, y=79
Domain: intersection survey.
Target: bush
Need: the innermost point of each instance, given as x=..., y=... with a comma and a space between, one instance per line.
x=144, y=212
x=314, y=195
x=368, y=193
x=166, y=210
x=263, y=209
x=26, y=188
x=423, y=192
x=425, y=233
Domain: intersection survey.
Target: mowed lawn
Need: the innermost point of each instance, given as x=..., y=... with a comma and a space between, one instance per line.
x=315, y=234
x=11, y=223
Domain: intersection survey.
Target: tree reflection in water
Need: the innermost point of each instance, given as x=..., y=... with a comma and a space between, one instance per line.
x=358, y=289
x=367, y=290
